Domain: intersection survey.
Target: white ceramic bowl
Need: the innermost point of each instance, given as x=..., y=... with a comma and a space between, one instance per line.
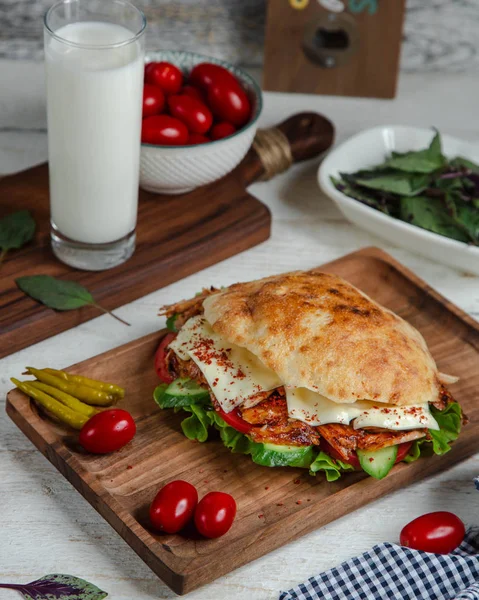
x=179, y=169
x=370, y=148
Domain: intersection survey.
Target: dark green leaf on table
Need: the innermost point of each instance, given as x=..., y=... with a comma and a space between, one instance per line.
x=58, y=587
x=16, y=230
x=59, y=294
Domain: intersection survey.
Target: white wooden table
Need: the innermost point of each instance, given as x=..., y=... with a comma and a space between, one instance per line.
x=45, y=525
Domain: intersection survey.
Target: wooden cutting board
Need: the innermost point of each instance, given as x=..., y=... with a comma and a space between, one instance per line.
x=176, y=236
x=273, y=509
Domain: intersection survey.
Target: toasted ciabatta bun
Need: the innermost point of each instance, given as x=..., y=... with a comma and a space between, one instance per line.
x=317, y=331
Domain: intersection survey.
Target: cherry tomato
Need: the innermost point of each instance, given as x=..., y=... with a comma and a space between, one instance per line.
x=107, y=431
x=229, y=102
x=194, y=92
x=222, y=130
x=160, y=358
x=438, y=532
x=234, y=419
x=164, y=75
x=153, y=100
x=197, y=138
x=193, y=113
x=164, y=130
x=215, y=514
x=173, y=506
x=204, y=74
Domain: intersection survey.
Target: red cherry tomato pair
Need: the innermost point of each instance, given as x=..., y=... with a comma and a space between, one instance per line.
x=212, y=92
x=439, y=532
x=107, y=431
x=177, y=503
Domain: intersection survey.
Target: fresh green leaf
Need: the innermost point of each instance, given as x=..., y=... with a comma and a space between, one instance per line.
x=430, y=214
x=419, y=161
x=331, y=467
x=346, y=187
x=464, y=163
x=468, y=217
x=449, y=421
x=170, y=323
x=16, y=230
x=59, y=294
x=195, y=427
x=396, y=183
x=58, y=587
x=55, y=293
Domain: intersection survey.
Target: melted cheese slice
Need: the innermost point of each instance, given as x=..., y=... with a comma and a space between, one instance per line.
x=233, y=373
x=315, y=409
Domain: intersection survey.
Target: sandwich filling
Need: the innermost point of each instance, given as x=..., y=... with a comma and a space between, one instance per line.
x=276, y=413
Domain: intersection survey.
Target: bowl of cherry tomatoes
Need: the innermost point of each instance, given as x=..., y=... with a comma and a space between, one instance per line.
x=200, y=117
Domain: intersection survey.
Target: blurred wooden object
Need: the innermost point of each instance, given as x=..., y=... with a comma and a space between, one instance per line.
x=311, y=49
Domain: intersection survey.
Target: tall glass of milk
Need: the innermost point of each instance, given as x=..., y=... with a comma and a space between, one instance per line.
x=94, y=55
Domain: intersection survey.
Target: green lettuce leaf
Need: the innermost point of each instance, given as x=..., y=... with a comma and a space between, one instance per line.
x=449, y=421
x=196, y=426
x=331, y=467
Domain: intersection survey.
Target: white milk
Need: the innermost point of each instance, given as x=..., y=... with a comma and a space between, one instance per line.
x=94, y=125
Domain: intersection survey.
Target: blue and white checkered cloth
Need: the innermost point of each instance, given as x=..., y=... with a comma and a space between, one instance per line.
x=391, y=571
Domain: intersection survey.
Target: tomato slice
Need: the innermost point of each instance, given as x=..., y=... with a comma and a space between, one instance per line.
x=160, y=359
x=403, y=450
x=234, y=419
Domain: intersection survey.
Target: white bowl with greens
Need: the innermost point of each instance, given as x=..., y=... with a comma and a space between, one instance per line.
x=412, y=187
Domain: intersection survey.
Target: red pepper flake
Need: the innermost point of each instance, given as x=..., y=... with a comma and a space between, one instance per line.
x=261, y=516
x=371, y=459
x=298, y=501
x=205, y=481
x=266, y=487
x=279, y=504
x=201, y=470
x=296, y=481
x=129, y=467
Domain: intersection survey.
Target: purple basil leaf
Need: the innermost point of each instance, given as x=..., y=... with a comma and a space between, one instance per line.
x=57, y=587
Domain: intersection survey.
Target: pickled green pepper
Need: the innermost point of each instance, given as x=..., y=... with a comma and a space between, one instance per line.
x=78, y=390
x=66, y=399
x=109, y=388
x=52, y=406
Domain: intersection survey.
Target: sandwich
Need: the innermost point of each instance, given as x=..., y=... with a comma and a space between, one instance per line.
x=304, y=370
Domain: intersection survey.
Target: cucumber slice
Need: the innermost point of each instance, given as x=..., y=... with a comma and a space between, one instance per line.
x=186, y=387
x=378, y=463
x=273, y=455
x=182, y=392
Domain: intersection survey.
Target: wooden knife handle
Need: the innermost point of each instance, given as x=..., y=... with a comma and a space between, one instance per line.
x=300, y=137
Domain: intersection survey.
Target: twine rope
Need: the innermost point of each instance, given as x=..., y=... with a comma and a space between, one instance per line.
x=274, y=151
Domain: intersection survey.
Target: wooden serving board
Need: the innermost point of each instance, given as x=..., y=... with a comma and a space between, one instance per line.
x=272, y=509
x=176, y=236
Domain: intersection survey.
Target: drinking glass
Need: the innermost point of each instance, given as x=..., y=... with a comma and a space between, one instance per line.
x=94, y=56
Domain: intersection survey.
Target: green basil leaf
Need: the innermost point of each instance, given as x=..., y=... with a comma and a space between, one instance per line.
x=16, y=230
x=431, y=215
x=464, y=163
x=419, y=161
x=59, y=294
x=396, y=183
x=365, y=196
